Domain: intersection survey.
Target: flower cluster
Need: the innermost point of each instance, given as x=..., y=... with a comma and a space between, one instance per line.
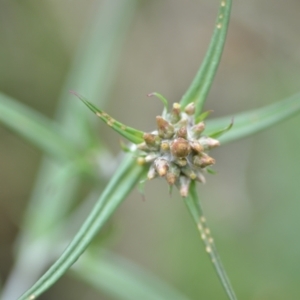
x=177, y=149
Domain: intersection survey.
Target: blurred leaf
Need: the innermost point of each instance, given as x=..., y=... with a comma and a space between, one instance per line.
x=133, y=135
x=203, y=116
x=211, y=171
x=125, y=147
x=200, y=86
x=91, y=73
x=253, y=121
x=122, y=279
x=195, y=209
x=122, y=182
x=93, y=69
x=35, y=128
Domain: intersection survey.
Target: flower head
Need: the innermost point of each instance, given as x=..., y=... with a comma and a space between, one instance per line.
x=177, y=150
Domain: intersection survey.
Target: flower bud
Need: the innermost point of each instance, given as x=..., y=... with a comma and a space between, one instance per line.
x=151, y=173
x=209, y=143
x=198, y=129
x=152, y=140
x=182, y=132
x=161, y=166
x=172, y=174
x=203, y=161
x=190, y=109
x=165, y=129
x=196, y=146
x=175, y=114
x=180, y=148
x=164, y=146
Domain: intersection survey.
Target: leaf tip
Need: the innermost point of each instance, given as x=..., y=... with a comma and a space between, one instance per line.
x=161, y=98
x=74, y=93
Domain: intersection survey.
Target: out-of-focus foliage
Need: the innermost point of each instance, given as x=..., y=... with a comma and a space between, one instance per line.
x=252, y=204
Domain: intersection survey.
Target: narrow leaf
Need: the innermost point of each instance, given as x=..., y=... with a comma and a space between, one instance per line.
x=195, y=209
x=118, y=188
x=253, y=121
x=221, y=131
x=109, y=271
x=131, y=134
x=125, y=147
x=211, y=171
x=91, y=72
x=203, y=116
x=162, y=99
x=35, y=128
x=202, y=82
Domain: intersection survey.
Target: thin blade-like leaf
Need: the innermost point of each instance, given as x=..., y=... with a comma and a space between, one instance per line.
x=200, y=86
x=92, y=73
x=35, y=128
x=133, y=135
x=221, y=131
x=109, y=271
x=253, y=121
x=203, y=116
x=162, y=99
x=119, y=186
x=195, y=209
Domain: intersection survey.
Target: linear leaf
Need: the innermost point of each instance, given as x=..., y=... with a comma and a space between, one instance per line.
x=253, y=121
x=91, y=73
x=221, y=131
x=200, y=86
x=162, y=99
x=109, y=271
x=133, y=135
x=195, y=209
x=118, y=188
x=35, y=128
x=203, y=116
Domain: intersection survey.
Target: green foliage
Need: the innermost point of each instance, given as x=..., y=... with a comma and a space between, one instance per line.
x=120, y=185
x=132, y=281
x=74, y=155
x=37, y=129
x=251, y=122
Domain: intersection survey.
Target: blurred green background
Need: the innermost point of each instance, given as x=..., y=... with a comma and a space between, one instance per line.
x=252, y=204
